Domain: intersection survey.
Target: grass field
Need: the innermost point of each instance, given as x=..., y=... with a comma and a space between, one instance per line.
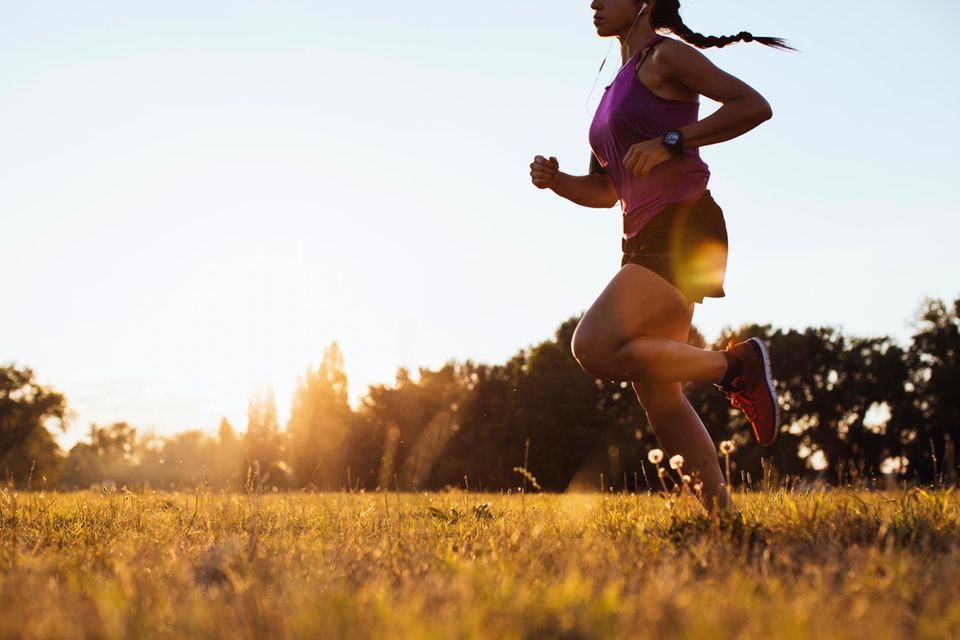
x=465, y=565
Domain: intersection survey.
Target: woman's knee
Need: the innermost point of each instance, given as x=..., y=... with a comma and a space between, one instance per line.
x=591, y=349
x=605, y=359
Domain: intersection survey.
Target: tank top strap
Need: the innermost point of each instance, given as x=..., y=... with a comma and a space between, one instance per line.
x=644, y=51
x=657, y=38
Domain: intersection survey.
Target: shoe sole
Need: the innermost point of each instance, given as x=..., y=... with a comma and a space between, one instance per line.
x=773, y=392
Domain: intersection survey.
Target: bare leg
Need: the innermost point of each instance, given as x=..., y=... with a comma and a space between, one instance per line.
x=680, y=430
x=637, y=330
x=660, y=360
x=621, y=337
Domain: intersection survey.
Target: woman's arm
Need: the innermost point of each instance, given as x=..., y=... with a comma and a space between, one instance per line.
x=594, y=190
x=743, y=108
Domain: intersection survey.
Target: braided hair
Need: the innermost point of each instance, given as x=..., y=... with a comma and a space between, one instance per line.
x=666, y=15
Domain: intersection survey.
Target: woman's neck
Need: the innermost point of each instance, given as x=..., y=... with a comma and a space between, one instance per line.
x=641, y=34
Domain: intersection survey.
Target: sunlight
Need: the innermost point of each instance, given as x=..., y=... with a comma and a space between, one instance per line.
x=877, y=417
x=704, y=266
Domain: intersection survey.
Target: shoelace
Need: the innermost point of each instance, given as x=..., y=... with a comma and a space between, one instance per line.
x=742, y=403
x=738, y=399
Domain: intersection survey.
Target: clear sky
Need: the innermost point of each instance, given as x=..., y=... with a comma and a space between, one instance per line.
x=196, y=198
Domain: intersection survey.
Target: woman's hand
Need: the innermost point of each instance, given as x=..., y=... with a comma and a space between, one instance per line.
x=644, y=156
x=543, y=172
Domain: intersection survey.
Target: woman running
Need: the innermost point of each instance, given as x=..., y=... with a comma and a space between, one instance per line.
x=645, y=138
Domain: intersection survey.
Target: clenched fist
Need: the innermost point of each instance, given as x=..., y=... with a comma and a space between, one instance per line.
x=543, y=172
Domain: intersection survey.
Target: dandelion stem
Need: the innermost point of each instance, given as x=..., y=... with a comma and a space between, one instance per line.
x=727, y=464
x=660, y=474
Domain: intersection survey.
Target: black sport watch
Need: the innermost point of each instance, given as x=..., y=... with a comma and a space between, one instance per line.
x=673, y=141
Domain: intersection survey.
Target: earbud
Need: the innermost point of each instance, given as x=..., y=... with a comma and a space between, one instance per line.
x=643, y=8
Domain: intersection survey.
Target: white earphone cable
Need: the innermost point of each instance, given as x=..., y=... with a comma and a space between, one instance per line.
x=586, y=104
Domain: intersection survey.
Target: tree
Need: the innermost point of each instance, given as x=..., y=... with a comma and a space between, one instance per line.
x=223, y=470
x=929, y=415
x=111, y=456
x=578, y=426
x=830, y=386
x=26, y=410
x=319, y=422
x=262, y=443
x=25, y=407
x=406, y=427
x=35, y=462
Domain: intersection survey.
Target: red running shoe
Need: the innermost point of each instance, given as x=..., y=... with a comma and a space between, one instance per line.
x=751, y=388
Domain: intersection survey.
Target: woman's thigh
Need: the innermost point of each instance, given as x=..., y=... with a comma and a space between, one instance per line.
x=636, y=302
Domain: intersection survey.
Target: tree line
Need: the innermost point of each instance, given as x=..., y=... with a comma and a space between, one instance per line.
x=853, y=407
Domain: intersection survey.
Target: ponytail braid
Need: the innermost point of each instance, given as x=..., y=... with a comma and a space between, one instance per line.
x=666, y=15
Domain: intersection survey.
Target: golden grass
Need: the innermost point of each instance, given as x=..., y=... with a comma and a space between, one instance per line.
x=820, y=565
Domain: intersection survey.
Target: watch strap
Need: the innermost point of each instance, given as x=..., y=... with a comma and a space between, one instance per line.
x=673, y=141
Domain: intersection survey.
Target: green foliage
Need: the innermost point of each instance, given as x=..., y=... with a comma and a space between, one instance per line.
x=26, y=410
x=319, y=424
x=37, y=460
x=110, y=458
x=857, y=410
x=263, y=451
x=928, y=419
x=413, y=421
x=117, y=457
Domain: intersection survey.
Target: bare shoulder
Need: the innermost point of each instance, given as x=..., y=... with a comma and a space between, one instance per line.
x=674, y=53
x=685, y=64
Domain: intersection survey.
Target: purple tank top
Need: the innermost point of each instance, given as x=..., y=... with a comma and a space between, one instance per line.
x=629, y=113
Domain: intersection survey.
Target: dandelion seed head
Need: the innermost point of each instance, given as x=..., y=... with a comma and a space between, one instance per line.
x=676, y=462
x=655, y=456
x=726, y=447
x=686, y=479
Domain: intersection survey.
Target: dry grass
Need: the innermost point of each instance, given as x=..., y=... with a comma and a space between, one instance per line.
x=820, y=565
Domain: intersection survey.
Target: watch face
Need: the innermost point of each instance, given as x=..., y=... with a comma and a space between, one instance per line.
x=672, y=137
